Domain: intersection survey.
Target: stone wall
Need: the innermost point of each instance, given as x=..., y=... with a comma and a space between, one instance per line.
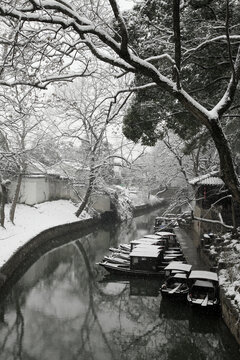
x=218, y=253
x=230, y=315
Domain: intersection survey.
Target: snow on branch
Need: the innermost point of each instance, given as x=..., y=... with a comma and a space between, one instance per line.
x=209, y=42
x=227, y=99
x=219, y=222
x=160, y=57
x=123, y=29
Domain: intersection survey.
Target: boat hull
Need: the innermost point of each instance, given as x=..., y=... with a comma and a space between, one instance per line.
x=122, y=270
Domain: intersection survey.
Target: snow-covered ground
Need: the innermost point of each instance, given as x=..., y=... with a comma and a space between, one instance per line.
x=31, y=220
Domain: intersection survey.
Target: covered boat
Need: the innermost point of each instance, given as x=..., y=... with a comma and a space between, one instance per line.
x=203, y=289
x=176, y=283
x=144, y=261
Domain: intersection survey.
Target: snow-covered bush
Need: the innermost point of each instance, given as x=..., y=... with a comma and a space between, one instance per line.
x=121, y=203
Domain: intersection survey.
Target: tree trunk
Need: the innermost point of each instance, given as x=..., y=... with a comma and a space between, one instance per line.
x=228, y=173
x=16, y=196
x=87, y=195
x=3, y=203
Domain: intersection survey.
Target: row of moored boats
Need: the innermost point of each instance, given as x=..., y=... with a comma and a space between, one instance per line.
x=160, y=255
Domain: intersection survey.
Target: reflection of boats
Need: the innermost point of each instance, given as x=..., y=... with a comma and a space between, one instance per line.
x=169, y=310
x=144, y=261
x=203, y=289
x=140, y=286
x=203, y=325
x=144, y=287
x=176, y=283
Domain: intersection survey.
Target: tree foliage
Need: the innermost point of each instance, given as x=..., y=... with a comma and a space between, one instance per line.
x=204, y=72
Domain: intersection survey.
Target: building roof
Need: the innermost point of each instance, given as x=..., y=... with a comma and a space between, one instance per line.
x=208, y=179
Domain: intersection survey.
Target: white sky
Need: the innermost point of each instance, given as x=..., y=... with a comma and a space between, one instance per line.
x=125, y=4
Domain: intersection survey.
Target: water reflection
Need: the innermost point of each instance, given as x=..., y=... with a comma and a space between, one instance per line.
x=64, y=307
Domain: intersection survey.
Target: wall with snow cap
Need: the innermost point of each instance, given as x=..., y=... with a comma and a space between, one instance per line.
x=36, y=189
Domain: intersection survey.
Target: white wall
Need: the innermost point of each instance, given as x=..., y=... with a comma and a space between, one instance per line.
x=38, y=189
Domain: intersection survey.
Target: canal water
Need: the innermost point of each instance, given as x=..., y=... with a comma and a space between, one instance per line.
x=65, y=308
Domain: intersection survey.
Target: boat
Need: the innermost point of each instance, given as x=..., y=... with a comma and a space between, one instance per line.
x=160, y=243
x=116, y=259
x=176, y=283
x=203, y=289
x=164, y=223
x=170, y=238
x=144, y=261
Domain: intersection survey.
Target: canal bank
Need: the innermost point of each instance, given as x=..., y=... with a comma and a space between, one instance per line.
x=222, y=254
x=31, y=244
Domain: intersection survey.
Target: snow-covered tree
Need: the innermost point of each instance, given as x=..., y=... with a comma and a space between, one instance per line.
x=53, y=34
x=84, y=113
x=20, y=117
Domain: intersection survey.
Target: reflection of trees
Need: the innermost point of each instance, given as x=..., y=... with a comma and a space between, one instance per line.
x=15, y=330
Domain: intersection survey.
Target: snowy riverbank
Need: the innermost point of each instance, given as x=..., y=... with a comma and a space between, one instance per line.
x=31, y=220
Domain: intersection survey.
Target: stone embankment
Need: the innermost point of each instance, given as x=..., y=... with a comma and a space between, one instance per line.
x=45, y=241
x=222, y=253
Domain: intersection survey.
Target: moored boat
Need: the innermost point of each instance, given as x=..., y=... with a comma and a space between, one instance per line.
x=144, y=261
x=204, y=289
x=176, y=283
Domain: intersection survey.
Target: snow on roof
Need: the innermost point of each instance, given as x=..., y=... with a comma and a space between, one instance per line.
x=174, y=265
x=202, y=274
x=208, y=179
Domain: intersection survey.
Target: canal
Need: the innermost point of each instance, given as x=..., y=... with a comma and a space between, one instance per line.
x=65, y=307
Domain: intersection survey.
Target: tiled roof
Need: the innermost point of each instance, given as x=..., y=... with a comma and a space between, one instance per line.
x=208, y=179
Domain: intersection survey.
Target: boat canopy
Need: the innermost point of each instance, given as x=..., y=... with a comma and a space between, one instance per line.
x=145, y=252
x=203, y=283
x=180, y=276
x=145, y=241
x=152, y=236
x=201, y=274
x=175, y=265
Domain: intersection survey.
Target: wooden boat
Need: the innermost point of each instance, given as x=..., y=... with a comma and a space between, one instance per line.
x=116, y=259
x=176, y=283
x=165, y=224
x=170, y=238
x=144, y=261
x=147, y=241
x=203, y=289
